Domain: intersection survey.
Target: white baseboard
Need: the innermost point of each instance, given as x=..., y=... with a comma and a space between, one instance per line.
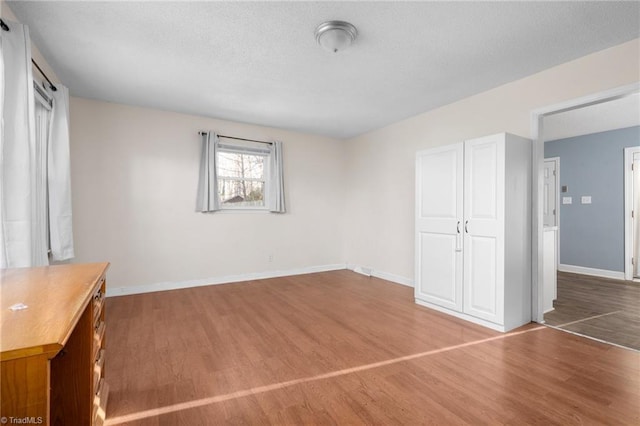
x=616, y=275
x=464, y=316
x=176, y=285
x=380, y=274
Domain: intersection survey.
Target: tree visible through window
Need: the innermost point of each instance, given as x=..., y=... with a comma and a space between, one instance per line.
x=241, y=179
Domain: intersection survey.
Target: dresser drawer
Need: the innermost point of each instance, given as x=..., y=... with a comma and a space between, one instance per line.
x=98, y=336
x=98, y=302
x=97, y=369
x=100, y=403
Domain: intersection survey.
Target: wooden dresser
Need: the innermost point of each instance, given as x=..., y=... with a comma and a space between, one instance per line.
x=52, y=352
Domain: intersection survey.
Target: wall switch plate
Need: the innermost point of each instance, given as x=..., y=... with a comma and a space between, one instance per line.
x=566, y=200
x=565, y=188
x=586, y=199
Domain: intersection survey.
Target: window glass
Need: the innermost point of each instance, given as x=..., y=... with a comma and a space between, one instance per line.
x=241, y=179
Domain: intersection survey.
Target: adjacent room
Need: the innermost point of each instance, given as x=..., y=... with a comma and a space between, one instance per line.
x=316, y=212
x=589, y=154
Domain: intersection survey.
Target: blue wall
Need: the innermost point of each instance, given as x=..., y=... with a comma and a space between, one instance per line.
x=592, y=235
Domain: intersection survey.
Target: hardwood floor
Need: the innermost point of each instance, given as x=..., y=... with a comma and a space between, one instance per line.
x=602, y=308
x=342, y=348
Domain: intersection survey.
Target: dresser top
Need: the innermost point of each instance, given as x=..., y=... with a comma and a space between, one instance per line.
x=55, y=296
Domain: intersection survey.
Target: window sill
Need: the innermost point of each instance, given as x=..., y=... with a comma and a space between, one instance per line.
x=250, y=211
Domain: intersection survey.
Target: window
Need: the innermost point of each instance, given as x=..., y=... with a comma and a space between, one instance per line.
x=242, y=177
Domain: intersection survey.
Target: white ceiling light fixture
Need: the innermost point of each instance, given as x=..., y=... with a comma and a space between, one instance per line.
x=334, y=36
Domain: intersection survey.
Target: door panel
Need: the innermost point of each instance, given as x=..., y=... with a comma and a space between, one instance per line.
x=439, y=189
x=440, y=282
x=481, y=277
x=484, y=228
x=481, y=181
x=439, y=181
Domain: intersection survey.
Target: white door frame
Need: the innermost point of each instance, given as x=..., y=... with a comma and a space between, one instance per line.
x=557, y=225
x=556, y=160
x=537, y=134
x=628, y=208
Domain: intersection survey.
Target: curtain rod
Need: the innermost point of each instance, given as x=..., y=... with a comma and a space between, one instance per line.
x=238, y=139
x=54, y=88
x=5, y=27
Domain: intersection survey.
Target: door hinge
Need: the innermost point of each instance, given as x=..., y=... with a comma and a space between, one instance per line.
x=554, y=172
x=554, y=211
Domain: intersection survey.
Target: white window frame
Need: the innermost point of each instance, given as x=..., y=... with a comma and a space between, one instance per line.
x=241, y=148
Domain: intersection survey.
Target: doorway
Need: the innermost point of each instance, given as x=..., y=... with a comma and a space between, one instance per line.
x=542, y=201
x=632, y=212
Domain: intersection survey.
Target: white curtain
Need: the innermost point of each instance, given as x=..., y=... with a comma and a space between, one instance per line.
x=207, y=200
x=42, y=122
x=59, y=177
x=21, y=240
x=3, y=256
x=636, y=224
x=276, y=178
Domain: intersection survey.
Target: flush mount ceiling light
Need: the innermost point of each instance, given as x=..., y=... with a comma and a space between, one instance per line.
x=334, y=36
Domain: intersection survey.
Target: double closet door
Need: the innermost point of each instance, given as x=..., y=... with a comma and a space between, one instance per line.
x=468, y=197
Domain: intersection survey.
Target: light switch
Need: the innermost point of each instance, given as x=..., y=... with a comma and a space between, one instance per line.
x=565, y=188
x=566, y=200
x=586, y=199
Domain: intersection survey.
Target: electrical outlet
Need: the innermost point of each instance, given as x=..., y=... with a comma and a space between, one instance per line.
x=270, y=258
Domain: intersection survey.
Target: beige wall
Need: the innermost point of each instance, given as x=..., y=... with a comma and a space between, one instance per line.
x=379, y=222
x=134, y=177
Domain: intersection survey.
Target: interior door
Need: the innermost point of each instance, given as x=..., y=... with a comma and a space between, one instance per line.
x=439, y=184
x=484, y=228
x=636, y=215
x=550, y=193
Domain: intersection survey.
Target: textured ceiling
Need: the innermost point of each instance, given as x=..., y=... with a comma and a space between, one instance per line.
x=257, y=62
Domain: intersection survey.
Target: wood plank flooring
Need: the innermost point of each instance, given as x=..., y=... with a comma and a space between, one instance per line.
x=602, y=308
x=342, y=348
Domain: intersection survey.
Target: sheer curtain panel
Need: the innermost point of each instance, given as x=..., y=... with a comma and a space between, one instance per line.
x=59, y=177
x=22, y=233
x=42, y=120
x=276, y=197
x=207, y=200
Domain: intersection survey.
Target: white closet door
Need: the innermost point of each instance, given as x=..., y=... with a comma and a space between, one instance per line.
x=439, y=188
x=636, y=216
x=484, y=228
